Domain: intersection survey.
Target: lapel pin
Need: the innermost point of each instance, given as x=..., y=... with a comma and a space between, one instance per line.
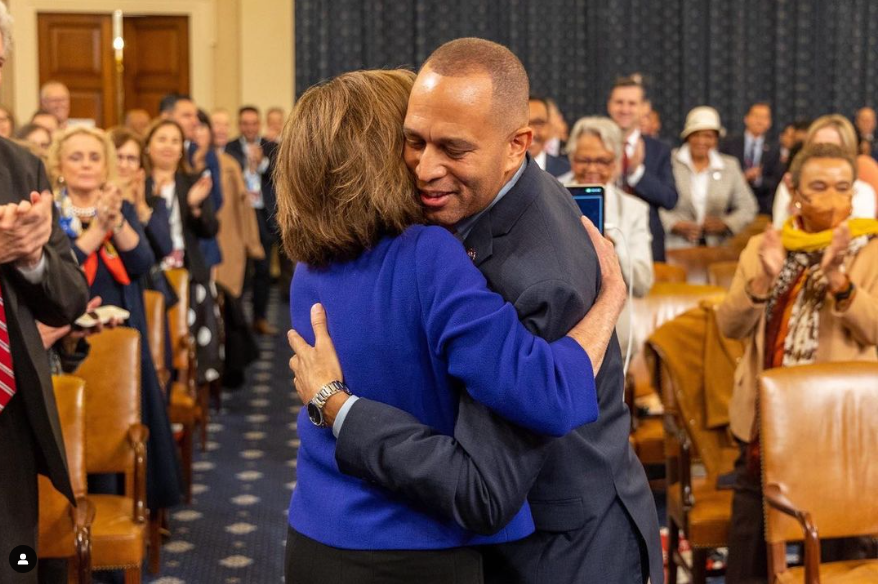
x=717, y=175
x=471, y=253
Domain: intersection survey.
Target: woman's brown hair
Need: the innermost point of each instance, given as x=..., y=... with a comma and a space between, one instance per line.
x=340, y=177
x=183, y=165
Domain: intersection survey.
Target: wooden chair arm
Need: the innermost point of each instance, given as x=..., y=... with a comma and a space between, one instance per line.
x=776, y=499
x=137, y=437
x=83, y=515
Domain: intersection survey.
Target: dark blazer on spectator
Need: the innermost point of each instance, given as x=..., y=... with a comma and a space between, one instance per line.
x=195, y=229
x=772, y=169
x=56, y=301
x=588, y=492
x=557, y=165
x=234, y=149
x=657, y=188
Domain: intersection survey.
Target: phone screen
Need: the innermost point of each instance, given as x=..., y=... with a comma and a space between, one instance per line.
x=590, y=199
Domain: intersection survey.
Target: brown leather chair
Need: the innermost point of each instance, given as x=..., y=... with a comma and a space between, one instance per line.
x=695, y=260
x=818, y=440
x=722, y=273
x=154, y=307
x=184, y=403
x=740, y=240
x=665, y=301
x=663, y=272
x=65, y=530
x=694, y=504
x=116, y=443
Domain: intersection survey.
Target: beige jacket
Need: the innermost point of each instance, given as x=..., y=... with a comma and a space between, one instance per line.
x=238, y=235
x=851, y=335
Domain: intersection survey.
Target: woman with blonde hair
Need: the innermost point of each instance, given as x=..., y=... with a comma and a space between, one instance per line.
x=412, y=320
x=836, y=129
x=110, y=245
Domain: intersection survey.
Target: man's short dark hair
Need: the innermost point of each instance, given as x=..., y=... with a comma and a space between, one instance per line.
x=541, y=99
x=169, y=102
x=759, y=104
x=509, y=82
x=628, y=81
x=41, y=112
x=802, y=125
x=248, y=108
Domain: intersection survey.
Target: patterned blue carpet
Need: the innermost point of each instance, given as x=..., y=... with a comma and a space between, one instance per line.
x=235, y=529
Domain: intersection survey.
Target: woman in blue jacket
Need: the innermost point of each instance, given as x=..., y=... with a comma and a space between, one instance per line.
x=413, y=323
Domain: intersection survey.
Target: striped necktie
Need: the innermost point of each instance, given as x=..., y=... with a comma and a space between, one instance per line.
x=7, y=377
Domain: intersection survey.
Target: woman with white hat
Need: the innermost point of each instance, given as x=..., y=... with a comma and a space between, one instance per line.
x=715, y=200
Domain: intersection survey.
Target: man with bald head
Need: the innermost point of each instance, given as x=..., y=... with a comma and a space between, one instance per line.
x=55, y=99
x=467, y=138
x=866, y=123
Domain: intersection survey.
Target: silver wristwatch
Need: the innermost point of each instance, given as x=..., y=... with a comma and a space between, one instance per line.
x=318, y=402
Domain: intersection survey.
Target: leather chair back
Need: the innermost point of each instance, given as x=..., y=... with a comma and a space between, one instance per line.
x=819, y=440
x=667, y=273
x=722, y=273
x=112, y=399
x=154, y=306
x=56, y=538
x=178, y=319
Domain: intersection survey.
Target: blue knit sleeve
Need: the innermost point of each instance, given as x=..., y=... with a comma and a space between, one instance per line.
x=545, y=387
x=139, y=259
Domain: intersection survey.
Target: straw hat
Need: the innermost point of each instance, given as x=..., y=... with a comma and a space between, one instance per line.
x=702, y=118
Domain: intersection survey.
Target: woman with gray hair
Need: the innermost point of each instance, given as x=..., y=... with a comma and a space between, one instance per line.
x=595, y=151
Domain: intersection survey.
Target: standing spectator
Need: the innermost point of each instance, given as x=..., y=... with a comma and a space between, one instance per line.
x=55, y=99
x=836, y=129
x=110, y=245
x=651, y=123
x=274, y=124
x=543, y=132
x=39, y=279
x=45, y=119
x=36, y=136
x=646, y=162
x=595, y=151
x=181, y=109
x=759, y=159
x=715, y=200
x=793, y=135
x=7, y=122
x=222, y=125
x=865, y=124
x=137, y=120
x=255, y=155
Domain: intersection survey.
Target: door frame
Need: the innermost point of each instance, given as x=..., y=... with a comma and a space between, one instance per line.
x=25, y=51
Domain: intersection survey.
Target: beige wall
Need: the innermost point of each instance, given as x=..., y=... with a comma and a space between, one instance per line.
x=236, y=55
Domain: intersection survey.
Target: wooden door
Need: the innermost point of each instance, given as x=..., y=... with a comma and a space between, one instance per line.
x=76, y=49
x=156, y=60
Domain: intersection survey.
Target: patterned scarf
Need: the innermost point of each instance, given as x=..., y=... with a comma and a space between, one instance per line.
x=793, y=309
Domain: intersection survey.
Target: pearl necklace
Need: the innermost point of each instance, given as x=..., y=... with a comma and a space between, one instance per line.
x=83, y=211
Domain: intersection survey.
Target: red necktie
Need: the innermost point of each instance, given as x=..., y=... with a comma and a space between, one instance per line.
x=624, y=178
x=7, y=377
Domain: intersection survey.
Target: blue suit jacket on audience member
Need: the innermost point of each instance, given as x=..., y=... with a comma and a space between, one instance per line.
x=658, y=189
x=209, y=247
x=557, y=165
x=532, y=249
x=233, y=149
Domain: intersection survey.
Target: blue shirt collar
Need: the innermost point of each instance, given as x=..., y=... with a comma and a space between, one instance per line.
x=465, y=225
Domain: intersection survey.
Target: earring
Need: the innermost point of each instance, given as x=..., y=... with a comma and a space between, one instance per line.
x=798, y=205
x=61, y=180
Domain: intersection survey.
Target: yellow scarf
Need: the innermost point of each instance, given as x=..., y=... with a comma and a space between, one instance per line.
x=794, y=239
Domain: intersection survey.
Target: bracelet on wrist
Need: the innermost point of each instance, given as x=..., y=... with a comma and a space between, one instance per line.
x=844, y=294
x=118, y=228
x=755, y=298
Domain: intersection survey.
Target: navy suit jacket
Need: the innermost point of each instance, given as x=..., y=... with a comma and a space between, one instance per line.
x=234, y=149
x=532, y=249
x=557, y=165
x=658, y=189
x=772, y=170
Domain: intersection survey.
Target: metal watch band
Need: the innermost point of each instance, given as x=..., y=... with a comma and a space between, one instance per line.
x=327, y=391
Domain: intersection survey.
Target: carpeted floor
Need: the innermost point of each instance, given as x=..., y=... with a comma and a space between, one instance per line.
x=234, y=531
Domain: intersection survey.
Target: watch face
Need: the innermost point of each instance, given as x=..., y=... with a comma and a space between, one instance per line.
x=315, y=414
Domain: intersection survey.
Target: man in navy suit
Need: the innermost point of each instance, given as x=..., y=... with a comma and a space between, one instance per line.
x=759, y=159
x=539, y=123
x=646, y=162
x=256, y=155
x=594, y=515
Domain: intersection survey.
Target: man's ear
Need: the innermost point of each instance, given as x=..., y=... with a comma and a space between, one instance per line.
x=518, y=145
